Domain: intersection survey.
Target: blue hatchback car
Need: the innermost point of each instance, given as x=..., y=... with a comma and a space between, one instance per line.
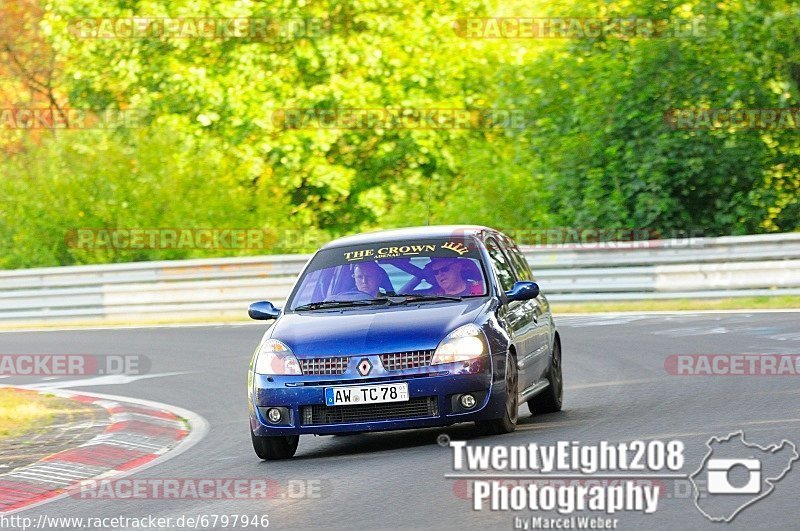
x=399, y=329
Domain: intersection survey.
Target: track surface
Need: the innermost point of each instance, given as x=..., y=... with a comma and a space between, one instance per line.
x=616, y=389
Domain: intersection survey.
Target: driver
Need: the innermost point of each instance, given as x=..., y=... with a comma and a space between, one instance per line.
x=447, y=274
x=368, y=278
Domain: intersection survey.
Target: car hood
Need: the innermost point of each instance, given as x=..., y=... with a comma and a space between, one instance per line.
x=374, y=330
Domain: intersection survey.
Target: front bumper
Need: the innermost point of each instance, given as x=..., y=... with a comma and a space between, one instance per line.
x=434, y=385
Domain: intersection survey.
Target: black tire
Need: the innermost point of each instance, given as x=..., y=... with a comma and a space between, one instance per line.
x=550, y=400
x=272, y=448
x=508, y=422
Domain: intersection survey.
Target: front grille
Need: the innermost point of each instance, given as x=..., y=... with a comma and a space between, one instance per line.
x=426, y=406
x=398, y=361
x=335, y=365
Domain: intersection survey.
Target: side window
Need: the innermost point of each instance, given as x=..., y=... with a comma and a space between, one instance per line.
x=500, y=264
x=518, y=261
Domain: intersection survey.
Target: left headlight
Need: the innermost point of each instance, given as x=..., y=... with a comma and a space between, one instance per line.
x=274, y=357
x=464, y=343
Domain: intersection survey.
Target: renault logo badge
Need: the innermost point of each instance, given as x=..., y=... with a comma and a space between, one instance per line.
x=364, y=366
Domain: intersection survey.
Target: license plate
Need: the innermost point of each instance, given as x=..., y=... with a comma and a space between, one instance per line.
x=366, y=394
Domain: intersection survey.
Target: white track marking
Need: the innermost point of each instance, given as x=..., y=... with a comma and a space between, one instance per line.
x=694, y=331
x=717, y=429
x=110, y=379
x=615, y=383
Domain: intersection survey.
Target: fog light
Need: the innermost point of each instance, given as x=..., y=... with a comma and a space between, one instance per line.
x=467, y=401
x=274, y=415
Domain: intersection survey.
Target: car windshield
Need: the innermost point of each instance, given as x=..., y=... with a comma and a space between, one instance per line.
x=420, y=270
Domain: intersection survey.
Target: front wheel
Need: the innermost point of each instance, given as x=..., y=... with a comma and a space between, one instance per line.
x=272, y=448
x=508, y=422
x=549, y=400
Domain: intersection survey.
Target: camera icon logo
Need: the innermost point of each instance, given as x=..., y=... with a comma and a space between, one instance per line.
x=719, y=472
x=735, y=474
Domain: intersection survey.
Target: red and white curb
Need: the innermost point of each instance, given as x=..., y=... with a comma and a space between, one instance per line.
x=140, y=434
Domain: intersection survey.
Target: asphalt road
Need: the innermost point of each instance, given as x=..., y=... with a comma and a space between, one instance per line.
x=617, y=389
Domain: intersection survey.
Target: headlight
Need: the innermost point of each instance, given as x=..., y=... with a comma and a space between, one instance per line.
x=275, y=357
x=464, y=343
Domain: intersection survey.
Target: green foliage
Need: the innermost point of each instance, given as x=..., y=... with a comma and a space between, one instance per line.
x=608, y=156
x=211, y=153
x=152, y=179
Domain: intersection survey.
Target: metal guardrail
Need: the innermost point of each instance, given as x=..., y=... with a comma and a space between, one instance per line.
x=699, y=268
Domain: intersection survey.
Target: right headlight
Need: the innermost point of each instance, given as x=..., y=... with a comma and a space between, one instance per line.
x=464, y=343
x=275, y=357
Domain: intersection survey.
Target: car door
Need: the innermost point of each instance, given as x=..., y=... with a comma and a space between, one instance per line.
x=514, y=314
x=538, y=310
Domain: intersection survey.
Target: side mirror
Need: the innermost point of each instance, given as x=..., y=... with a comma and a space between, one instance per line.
x=263, y=311
x=523, y=291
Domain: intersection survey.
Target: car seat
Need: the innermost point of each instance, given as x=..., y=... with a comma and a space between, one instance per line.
x=471, y=274
x=385, y=283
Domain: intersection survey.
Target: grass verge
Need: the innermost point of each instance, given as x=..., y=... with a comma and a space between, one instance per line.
x=24, y=411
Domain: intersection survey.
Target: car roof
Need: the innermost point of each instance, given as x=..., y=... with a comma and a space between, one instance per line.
x=409, y=233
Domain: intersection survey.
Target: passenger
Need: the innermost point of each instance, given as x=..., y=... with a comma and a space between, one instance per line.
x=447, y=274
x=368, y=277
